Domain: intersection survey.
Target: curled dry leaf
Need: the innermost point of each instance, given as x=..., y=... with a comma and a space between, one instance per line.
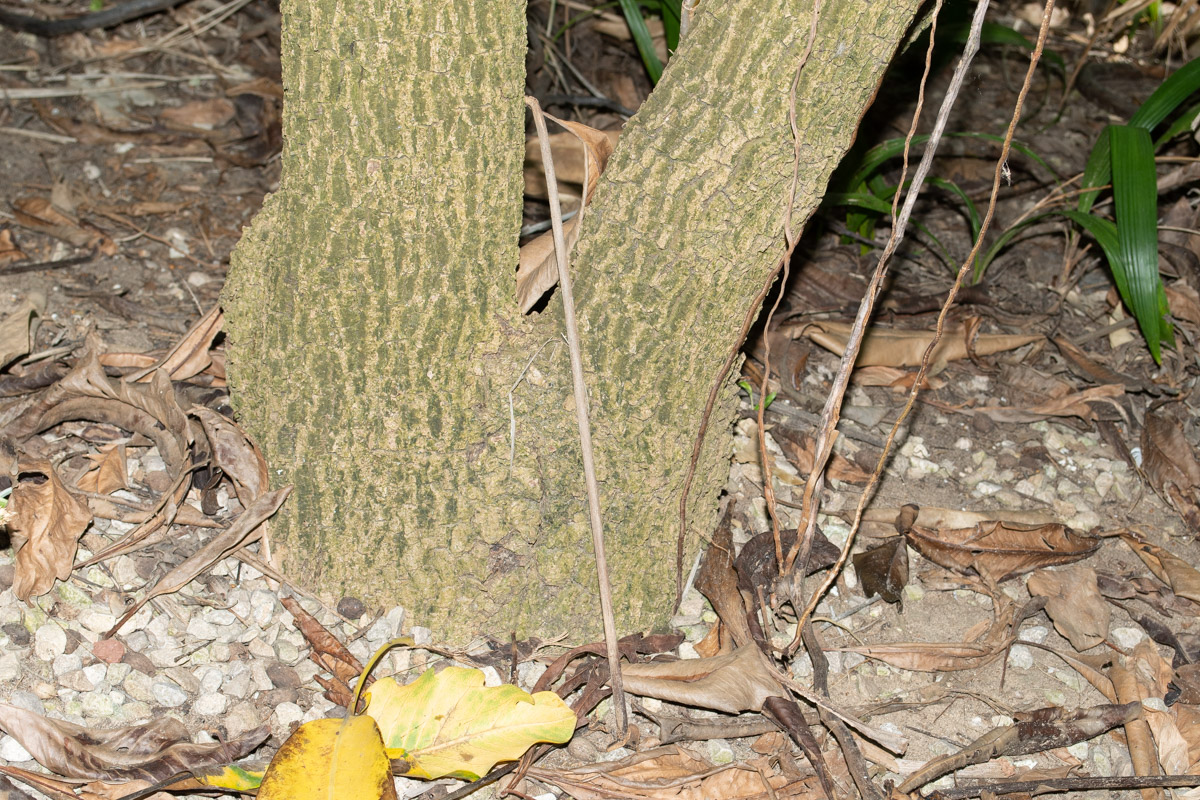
x=190, y=355
x=9, y=251
x=570, y=160
x=235, y=454
x=17, y=328
x=109, y=473
x=1169, y=568
x=39, y=214
x=1170, y=464
x=45, y=530
x=998, y=550
x=890, y=347
x=537, y=270
x=883, y=570
x=1077, y=404
x=153, y=750
x=1074, y=604
x=1141, y=674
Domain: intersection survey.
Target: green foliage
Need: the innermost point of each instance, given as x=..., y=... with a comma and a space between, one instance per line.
x=670, y=12
x=748, y=389
x=1122, y=160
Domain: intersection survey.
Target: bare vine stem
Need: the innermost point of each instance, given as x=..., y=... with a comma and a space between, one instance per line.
x=968, y=53
x=585, y=428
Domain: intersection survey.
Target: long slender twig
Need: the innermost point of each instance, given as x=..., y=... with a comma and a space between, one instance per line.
x=1001, y=162
x=585, y=429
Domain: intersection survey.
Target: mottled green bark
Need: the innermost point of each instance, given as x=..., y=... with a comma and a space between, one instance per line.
x=375, y=341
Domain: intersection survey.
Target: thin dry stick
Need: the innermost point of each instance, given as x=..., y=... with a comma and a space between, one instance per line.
x=585, y=430
x=789, y=237
x=972, y=44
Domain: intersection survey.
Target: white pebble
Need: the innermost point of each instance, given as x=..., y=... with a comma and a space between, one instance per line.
x=49, y=642
x=12, y=751
x=1020, y=657
x=1127, y=638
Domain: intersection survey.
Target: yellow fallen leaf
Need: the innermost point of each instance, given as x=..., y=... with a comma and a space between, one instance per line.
x=330, y=758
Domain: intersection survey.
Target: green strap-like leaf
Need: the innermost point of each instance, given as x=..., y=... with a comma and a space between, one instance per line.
x=641, y=37
x=1135, y=197
x=1168, y=96
x=1160, y=105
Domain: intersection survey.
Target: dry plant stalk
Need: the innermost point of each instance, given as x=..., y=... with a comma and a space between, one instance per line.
x=585, y=430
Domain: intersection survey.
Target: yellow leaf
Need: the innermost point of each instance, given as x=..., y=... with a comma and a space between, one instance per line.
x=330, y=759
x=449, y=723
x=231, y=777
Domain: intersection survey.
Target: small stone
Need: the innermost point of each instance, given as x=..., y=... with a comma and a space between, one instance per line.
x=202, y=629
x=140, y=662
x=28, y=701
x=987, y=488
x=210, y=678
x=1127, y=638
x=1020, y=657
x=140, y=687
x=351, y=608
x=12, y=751
x=719, y=751
x=117, y=673
x=67, y=662
x=96, y=673
x=287, y=652
x=98, y=706
x=17, y=633
x=97, y=621
x=260, y=677
x=168, y=694
x=110, y=651
x=282, y=676
x=240, y=719
x=219, y=617
x=10, y=668
x=286, y=714
x=76, y=681
x=210, y=704
x=49, y=642
x=1034, y=633
x=237, y=682
x=379, y=632
x=185, y=678
x=260, y=649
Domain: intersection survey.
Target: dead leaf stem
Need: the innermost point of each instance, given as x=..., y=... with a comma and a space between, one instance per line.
x=585, y=430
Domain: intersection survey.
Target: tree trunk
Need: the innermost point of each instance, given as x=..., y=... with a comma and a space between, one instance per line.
x=376, y=351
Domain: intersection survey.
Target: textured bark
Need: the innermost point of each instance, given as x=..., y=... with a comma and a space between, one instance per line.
x=375, y=341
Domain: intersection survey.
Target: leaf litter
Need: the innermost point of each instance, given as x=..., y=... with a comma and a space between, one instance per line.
x=974, y=591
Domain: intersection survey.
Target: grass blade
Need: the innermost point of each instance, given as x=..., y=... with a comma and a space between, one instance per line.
x=1135, y=197
x=1168, y=97
x=641, y=37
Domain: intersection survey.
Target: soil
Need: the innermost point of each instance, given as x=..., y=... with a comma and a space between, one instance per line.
x=163, y=146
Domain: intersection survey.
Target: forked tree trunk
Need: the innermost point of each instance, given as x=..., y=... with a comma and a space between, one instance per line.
x=376, y=351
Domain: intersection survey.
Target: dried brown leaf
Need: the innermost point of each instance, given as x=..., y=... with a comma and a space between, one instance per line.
x=904, y=348
x=537, y=268
x=199, y=114
x=9, y=252
x=1169, y=568
x=109, y=473
x=1170, y=464
x=670, y=773
x=235, y=454
x=1077, y=404
x=190, y=356
x=45, y=530
x=18, y=327
x=883, y=570
x=570, y=160
x=153, y=750
x=999, y=550
x=1140, y=675
x=39, y=214
x=1074, y=604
